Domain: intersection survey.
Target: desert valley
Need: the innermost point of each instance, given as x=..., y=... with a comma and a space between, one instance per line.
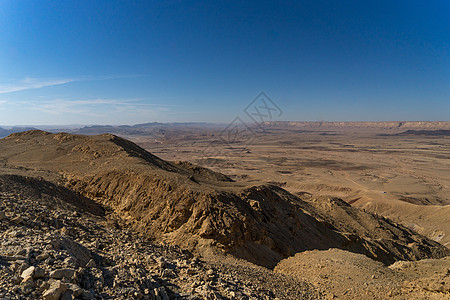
x=282, y=210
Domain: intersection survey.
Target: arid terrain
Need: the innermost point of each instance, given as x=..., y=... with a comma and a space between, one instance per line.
x=400, y=172
x=282, y=210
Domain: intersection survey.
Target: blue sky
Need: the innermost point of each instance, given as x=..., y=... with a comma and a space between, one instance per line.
x=128, y=62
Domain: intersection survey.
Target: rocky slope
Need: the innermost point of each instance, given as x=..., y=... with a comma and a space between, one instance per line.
x=375, y=236
x=53, y=248
x=201, y=210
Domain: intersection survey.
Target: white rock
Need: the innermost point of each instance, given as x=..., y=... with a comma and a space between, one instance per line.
x=29, y=272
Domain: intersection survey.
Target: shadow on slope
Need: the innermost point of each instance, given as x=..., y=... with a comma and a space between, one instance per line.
x=36, y=188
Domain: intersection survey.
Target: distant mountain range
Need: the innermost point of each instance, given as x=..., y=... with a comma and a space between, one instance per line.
x=138, y=129
x=401, y=128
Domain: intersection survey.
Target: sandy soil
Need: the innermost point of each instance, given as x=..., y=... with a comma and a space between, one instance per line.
x=345, y=275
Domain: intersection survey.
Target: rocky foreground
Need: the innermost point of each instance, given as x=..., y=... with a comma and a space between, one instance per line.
x=51, y=249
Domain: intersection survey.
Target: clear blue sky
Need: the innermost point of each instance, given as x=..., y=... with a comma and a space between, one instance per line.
x=127, y=62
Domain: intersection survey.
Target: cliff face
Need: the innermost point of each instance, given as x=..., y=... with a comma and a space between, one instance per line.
x=203, y=210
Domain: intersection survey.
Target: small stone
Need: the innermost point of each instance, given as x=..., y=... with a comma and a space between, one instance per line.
x=27, y=285
x=55, y=291
x=39, y=273
x=43, y=256
x=76, y=290
x=29, y=272
x=62, y=273
x=191, y=271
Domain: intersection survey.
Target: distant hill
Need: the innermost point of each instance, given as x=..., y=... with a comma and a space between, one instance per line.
x=140, y=129
x=5, y=132
x=159, y=129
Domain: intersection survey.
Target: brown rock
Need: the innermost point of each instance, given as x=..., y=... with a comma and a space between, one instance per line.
x=62, y=273
x=55, y=291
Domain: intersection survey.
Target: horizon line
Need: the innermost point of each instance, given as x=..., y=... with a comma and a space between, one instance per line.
x=211, y=123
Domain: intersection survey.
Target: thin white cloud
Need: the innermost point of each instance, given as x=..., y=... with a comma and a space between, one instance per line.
x=93, y=107
x=33, y=83
x=30, y=83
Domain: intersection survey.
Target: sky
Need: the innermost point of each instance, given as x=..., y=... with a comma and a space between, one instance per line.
x=130, y=62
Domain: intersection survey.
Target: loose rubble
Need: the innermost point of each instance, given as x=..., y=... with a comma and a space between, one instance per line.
x=52, y=250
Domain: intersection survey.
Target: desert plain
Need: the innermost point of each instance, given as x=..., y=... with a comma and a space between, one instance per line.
x=400, y=172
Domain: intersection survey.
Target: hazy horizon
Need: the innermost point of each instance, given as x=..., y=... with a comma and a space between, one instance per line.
x=76, y=126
